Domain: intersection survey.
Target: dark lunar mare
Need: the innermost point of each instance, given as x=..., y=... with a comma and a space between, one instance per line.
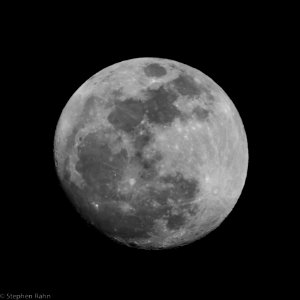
x=155, y=70
x=114, y=222
x=158, y=108
x=186, y=85
x=127, y=114
x=102, y=170
x=98, y=166
x=141, y=139
x=182, y=192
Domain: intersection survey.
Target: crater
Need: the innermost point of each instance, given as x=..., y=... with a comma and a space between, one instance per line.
x=201, y=113
x=155, y=70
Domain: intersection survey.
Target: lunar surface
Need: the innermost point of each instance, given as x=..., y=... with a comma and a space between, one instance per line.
x=152, y=152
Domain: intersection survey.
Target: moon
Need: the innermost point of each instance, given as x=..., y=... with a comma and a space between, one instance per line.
x=152, y=152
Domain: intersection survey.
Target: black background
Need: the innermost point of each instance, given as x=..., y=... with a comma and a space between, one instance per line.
x=46, y=245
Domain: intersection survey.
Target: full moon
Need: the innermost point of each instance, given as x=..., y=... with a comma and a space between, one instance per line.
x=152, y=152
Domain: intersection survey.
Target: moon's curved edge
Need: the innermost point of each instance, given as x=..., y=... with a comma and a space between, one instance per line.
x=96, y=84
